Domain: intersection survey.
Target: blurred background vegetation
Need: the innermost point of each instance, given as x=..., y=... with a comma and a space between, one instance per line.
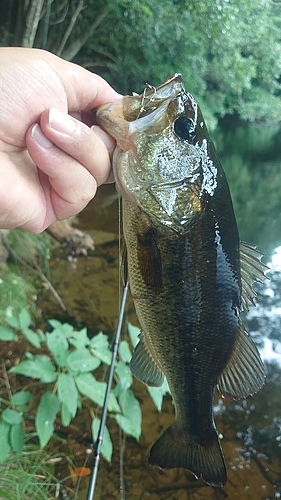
x=229, y=51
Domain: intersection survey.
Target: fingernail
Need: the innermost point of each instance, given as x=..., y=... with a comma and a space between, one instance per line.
x=39, y=137
x=61, y=122
x=107, y=139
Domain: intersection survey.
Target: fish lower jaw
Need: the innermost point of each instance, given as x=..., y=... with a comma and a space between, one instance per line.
x=126, y=193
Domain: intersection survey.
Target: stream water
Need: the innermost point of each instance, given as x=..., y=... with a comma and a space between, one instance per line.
x=250, y=429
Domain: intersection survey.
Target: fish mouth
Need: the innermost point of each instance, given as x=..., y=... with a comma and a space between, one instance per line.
x=136, y=122
x=131, y=108
x=154, y=97
x=152, y=111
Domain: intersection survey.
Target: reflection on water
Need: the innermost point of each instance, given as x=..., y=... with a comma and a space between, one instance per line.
x=250, y=429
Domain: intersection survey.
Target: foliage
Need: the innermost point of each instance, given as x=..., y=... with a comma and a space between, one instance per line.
x=31, y=249
x=28, y=260
x=251, y=159
x=66, y=370
x=15, y=290
x=229, y=52
x=29, y=475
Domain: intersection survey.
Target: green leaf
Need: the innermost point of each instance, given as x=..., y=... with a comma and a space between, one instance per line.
x=40, y=367
x=79, y=339
x=130, y=421
x=12, y=321
x=7, y=334
x=9, y=312
x=55, y=323
x=5, y=447
x=32, y=337
x=67, y=392
x=42, y=335
x=124, y=375
x=134, y=332
x=45, y=417
x=106, y=447
x=157, y=394
x=82, y=361
x=58, y=345
x=65, y=328
x=127, y=426
x=11, y=417
x=130, y=405
x=17, y=438
x=65, y=415
x=95, y=391
x=5, y=495
x=21, y=398
x=101, y=348
x=124, y=351
x=24, y=319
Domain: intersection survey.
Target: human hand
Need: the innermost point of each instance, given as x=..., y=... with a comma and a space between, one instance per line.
x=50, y=162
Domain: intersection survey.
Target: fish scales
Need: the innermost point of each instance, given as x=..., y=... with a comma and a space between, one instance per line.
x=184, y=269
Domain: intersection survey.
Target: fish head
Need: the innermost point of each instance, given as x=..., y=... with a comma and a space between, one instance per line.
x=161, y=162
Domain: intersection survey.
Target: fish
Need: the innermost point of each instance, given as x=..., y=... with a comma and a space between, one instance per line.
x=190, y=275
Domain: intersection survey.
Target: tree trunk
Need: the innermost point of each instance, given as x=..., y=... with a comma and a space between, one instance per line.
x=70, y=52
x=32, y=19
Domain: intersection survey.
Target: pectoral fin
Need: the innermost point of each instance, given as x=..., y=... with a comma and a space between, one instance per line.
x=144, y=367
x=252, y=269
x=244, y=373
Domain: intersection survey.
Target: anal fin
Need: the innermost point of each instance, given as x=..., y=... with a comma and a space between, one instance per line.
x=144, y=367
x=244, y=373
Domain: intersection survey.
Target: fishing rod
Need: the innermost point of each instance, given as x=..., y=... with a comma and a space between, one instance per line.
x=98, y=444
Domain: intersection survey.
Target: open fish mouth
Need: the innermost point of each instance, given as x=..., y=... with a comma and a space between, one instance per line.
x=137, y=113
x=165, y=116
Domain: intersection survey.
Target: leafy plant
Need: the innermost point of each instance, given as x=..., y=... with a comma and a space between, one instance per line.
x=29, y=475
x=23, y=273
x=67, y=370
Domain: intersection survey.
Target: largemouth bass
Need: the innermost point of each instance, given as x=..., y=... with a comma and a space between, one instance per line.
x=189, y=274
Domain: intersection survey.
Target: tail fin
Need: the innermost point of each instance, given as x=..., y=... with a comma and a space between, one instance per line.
x=175, y=448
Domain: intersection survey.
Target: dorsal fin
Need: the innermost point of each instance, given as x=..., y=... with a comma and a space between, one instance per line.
x=252, y=270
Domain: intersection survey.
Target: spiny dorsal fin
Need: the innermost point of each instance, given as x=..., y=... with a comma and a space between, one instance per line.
x=252, y=270
x=144, y=367
x=244, y=373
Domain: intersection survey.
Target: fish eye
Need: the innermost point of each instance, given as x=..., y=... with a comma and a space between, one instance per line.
x=184, y=128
